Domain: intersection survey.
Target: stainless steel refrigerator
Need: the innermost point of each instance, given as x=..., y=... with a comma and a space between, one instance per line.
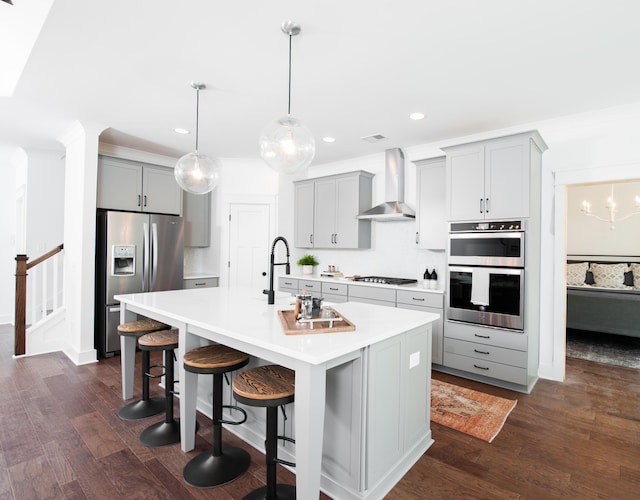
x=135, y=252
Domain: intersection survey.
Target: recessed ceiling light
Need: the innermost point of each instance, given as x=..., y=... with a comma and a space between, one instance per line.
x=329, y=139
x=416, y=116
x=179, y=130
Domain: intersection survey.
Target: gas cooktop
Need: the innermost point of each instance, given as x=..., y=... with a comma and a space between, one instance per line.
x=385, y=281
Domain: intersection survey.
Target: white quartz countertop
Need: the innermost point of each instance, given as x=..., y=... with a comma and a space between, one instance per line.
x=348, y=281
x=244, y=314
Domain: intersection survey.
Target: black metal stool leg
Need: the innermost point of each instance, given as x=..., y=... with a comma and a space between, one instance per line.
x=167, y=432
x=219, y=465
x=272, y=490
x=145, y=407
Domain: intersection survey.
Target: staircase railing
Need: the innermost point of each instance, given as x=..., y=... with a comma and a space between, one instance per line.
x=45, y=299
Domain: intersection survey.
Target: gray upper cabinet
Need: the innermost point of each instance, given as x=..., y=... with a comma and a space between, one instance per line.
x=326, y=209
x=490, y=179
x=431, y=213
x=137, y=187
x=303, y=230
x=197, y=219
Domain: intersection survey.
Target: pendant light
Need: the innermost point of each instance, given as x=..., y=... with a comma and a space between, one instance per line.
x=195, y=172
x=286, y=145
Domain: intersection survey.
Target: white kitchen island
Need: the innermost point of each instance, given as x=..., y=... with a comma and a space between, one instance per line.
x=379, y=404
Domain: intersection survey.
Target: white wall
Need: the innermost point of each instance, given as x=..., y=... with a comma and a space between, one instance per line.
x=590, y=236
x=241, y=181
x=7, y=234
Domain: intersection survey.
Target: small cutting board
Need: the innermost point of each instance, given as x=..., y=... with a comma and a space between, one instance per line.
x=292, y=327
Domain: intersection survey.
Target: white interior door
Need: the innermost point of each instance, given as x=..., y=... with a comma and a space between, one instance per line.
x=249, y=245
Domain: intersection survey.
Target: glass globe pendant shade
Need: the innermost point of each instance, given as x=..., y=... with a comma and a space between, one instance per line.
x=197, y=173
x=286, y=145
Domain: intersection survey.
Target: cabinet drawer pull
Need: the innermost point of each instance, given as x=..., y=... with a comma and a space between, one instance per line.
x=486, y=203
x=482, y=336
x=417, y=237
x=289, y=283
x=333, y=289
x=311, y=239
x=418, y=299
x=139, y=200
x=145, y=200
x=481, y=352
x=202, y=283
x=481, y=205
x=481, y=367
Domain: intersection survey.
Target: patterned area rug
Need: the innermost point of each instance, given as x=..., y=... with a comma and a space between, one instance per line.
x=616, y=350
x=465, y=410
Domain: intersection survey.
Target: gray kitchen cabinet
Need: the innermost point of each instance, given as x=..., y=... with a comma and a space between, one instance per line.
x=303, y=216
x=372, y=295
x=137, y=187
x=196, y=211
x=334, y=292
x=314, y=288
x=431, y=213
x=202, y=282
x=427, y=302
x=491, y=179
x=337, y=200
x=494, y=353
x=402, y=370
x=288, y=284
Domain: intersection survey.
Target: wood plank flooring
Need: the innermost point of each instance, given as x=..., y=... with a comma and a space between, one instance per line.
x=60, y=437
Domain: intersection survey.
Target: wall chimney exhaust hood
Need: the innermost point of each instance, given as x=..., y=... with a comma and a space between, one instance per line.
x=394, y=209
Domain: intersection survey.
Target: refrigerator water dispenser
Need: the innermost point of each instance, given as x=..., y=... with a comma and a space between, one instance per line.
x=124, y=260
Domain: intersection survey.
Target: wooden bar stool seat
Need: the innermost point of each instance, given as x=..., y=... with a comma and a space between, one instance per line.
x=167, y=432
x=270, y=386
x=147, y=406
x=221, y=464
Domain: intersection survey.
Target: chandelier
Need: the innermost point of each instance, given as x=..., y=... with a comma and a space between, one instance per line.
x=612, y=208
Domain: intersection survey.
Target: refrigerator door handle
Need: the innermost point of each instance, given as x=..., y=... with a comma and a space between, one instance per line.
x=145, y=255
x=154, y=255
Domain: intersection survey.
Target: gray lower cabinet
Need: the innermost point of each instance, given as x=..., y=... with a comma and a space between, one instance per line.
x=310, y=287
x=288, y=284
x=209, y=282
x=427, y=302
x=487, y=352
x=372, y=295
x=334, y=292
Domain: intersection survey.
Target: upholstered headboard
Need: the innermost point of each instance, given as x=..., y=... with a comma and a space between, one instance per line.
x=603, y=271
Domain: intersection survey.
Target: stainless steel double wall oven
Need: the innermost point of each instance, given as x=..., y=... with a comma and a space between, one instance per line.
x=486, y=273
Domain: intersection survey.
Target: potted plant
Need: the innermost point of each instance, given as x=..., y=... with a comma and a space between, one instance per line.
x=307, y=262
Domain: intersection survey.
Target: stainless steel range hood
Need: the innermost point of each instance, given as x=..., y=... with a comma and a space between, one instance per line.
x=395, y=208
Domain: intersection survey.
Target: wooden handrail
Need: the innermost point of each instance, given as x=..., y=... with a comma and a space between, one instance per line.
x=20, y=319
x=45, y=256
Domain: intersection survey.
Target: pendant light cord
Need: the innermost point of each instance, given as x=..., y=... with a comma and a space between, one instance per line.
x=197, y=115
x=289, y=105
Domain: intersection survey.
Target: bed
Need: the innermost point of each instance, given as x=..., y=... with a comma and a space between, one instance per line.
x=603, y=294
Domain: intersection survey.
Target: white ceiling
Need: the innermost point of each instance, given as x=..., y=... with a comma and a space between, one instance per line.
x=360, y=67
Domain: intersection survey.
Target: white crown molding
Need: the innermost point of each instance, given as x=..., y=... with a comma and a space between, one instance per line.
x=136, y=155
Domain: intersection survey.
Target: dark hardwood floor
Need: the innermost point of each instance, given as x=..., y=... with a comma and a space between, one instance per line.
x=60, y=437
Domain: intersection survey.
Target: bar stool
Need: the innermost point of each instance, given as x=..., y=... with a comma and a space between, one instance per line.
x=269, y=386
x=167, y=432
x=219, y=465
x=147, y=406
